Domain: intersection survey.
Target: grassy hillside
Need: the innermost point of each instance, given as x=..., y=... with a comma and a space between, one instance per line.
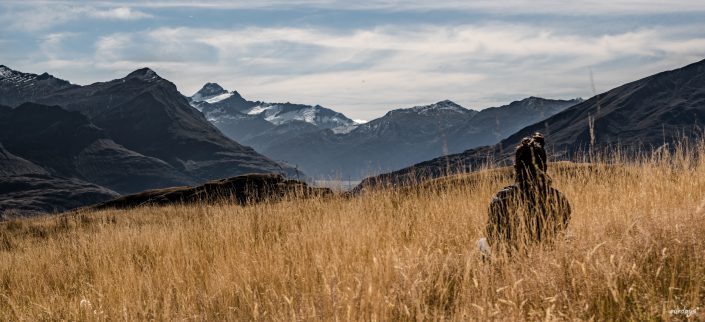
x=636, y=252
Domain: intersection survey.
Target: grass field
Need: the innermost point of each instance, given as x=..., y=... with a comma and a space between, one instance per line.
x=637, y=253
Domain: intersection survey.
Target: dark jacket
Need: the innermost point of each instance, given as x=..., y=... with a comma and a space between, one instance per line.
x=530, y=209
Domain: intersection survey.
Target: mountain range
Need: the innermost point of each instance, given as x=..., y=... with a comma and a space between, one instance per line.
x=327, y=145
x=121, y=136
x=64, y=145
x=656, y=112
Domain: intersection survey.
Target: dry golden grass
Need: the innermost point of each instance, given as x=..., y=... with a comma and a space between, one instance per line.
x=637, y=254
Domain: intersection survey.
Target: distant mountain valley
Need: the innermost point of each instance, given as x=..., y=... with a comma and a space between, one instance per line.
x=326, y=144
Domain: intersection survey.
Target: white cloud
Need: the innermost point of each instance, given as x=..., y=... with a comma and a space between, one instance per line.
x=120, y=13
x=39, y=16
x=161, y=45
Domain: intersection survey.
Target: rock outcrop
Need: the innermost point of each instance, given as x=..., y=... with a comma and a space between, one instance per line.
x=243, y=190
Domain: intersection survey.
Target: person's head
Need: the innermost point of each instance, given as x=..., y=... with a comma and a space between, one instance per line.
x=538, y=139
x=530, y=160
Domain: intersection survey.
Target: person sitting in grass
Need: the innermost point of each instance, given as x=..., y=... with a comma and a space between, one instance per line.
x=530, y=210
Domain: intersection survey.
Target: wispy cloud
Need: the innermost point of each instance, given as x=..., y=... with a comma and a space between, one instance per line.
x=53, y=45
x=120, y=13
x=32, y=16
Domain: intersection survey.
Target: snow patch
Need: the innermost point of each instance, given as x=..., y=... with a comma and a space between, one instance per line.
x=256, y=110
x=440, y=106
x=275, y=114
x=5, y=72
x=218, y=98
x=276, y=117
x=345, y=129
x=197, y=106
x=217, y=118
x=150, y=74
x=279, y=114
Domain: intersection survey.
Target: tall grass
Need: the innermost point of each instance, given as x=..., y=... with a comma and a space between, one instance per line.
x=636, y=253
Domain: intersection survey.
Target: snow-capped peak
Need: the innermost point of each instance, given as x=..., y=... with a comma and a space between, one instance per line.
x=5, y=72
x=8, y=75
x=211, y=88
x=211, y=93
x=445, y=105
x=287, y=112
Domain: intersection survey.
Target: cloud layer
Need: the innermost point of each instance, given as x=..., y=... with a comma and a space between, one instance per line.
x=387, y=67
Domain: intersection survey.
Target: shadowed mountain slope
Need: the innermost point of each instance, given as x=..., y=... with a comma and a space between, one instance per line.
x=145, y=113
x=66, y=144
x=126, y=135
x=36, y=194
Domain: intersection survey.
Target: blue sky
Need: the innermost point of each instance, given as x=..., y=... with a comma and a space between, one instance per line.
x=362, y=58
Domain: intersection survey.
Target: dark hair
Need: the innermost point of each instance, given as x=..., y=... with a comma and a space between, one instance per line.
x=538, y=139
x=530, y=162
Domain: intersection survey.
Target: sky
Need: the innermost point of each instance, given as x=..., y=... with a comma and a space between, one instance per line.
x=361, y=58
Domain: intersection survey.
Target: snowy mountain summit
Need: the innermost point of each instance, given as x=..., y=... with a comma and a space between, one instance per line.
x=18, y=87
x=282, y=113
x=440, y=107
x=228, y=108
x=211, y=93
x=4, y=71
